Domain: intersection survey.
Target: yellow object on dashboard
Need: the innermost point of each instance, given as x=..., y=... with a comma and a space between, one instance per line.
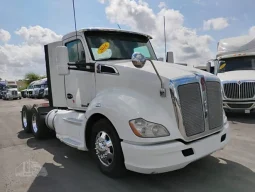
x=223, y=66
x=103, y=48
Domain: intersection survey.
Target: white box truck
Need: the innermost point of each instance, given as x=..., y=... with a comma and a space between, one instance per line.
x=236, y=70
x=134, y=113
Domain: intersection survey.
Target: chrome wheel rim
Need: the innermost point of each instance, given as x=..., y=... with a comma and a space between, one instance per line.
x=104, y=148
x=34, y=125
x=24, y=118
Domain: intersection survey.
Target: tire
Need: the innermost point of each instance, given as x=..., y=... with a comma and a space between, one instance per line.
x=27, y=121
x=116, y=168
x=38, y=126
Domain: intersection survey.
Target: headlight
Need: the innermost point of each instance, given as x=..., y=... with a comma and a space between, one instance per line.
x=143, y=128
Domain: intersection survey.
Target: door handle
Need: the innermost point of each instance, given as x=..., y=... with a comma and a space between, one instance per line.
x=69, y=96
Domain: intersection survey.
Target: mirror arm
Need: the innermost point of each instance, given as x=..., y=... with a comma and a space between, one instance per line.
x=162, y=89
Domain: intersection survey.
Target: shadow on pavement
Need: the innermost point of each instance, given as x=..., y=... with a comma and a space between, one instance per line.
x=77, y=172
x=241, y=117
x=23, y=135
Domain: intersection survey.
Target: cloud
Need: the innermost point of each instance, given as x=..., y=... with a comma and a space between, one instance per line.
x=4, y=35
x=162, y=5
x=28, y=56
x=216, y=23
x=252, y=31
x=37, y=35
x=186, y=44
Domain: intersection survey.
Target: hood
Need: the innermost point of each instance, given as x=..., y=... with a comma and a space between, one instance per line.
x=167, y=70
x=237, y=75
x=13, y=89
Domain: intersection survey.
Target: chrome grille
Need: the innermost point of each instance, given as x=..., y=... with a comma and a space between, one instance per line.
x=192, y=109
x=214, y=103
x=246, y=90
x=14, y=93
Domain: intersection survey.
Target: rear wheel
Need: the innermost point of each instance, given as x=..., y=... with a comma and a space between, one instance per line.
x=106, y=149
x=39, y=128
x=26, y=118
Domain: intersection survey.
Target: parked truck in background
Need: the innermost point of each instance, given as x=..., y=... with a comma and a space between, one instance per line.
x=38, y=88
x=236, y=71
x=108, y=94
x=2, y=88
x=29, y=91
x=46, y=92
x=11, y=91
x=24, y=93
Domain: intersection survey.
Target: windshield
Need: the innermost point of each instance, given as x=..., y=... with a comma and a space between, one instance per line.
x=44, y=86
x=11, y=86
x=2, y=87
x=37, y=86
x=238, y=63
x=117, y=45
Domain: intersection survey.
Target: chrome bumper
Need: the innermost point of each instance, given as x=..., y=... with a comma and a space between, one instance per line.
x=245, y=106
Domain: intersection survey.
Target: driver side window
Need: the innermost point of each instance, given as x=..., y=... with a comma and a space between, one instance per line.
x=75, y=50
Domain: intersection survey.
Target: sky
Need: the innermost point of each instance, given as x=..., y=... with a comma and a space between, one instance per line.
x=193, y=27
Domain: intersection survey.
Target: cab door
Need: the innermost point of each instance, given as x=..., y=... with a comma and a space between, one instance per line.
x=80, y=82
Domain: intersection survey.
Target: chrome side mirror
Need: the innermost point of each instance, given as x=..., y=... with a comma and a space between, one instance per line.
x=211, y=68
x=208, y=67
x=138, y=60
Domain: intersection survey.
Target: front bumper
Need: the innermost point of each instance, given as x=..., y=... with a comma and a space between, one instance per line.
x=160, y=158
x=239, y=106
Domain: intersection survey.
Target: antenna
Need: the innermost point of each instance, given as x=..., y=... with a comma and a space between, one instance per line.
x=119, y=26
x=165, y=37
x=75, y=28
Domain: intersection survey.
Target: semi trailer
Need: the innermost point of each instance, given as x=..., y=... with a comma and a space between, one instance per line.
x=109, y=95
x=236, y=70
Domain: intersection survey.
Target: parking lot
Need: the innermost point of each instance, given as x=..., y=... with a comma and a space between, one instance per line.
x=63, y=168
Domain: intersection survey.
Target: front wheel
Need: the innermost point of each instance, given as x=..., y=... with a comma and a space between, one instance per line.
x=106, y=149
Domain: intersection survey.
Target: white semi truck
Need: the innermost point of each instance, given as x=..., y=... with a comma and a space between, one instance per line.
x=11, y=91
x=134, y=113
x=236, y=70
x=38, y=88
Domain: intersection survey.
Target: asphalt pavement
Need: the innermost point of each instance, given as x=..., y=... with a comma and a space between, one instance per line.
x=49, y=165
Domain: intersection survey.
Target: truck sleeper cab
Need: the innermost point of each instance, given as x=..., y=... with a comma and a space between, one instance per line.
x=237, y=73
x=134, y=113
